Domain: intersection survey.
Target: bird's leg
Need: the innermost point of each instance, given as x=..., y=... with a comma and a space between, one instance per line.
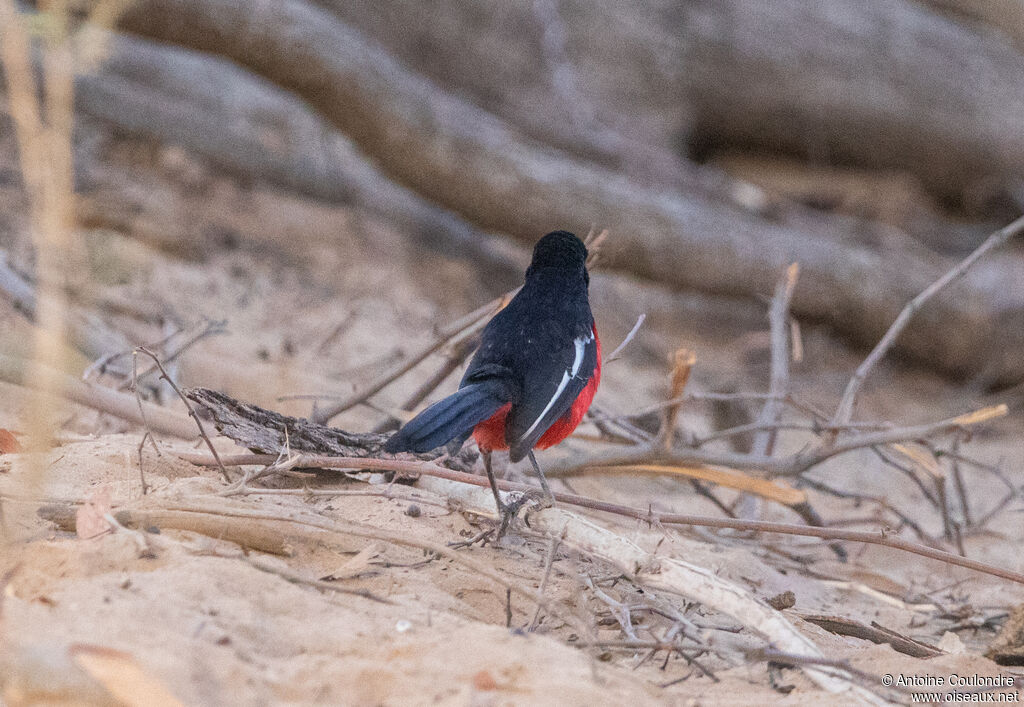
x=507, y=513
x=494, y=482
x=549, y=498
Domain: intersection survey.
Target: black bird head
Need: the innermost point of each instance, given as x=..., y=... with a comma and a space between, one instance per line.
x=559, y=249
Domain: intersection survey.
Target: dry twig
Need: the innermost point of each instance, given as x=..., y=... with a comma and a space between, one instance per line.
x=427, y=469
x=191, y=411
x=625, y=342
x=844, y=411
x=677, y=577
x=466, y=326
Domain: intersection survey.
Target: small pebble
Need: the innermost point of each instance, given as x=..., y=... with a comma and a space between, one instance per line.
x=413, y=511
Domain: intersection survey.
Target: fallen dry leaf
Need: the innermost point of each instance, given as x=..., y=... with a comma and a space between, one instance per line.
x=89, y=519
x=358, y=564
x=122, y=676
x=8, y=442
x=484, y=681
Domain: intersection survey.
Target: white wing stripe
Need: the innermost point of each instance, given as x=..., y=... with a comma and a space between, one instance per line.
x=581, y=347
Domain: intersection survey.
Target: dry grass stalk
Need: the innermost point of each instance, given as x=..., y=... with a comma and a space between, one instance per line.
x=730, y=478
x=45, y=157
x=43, y=125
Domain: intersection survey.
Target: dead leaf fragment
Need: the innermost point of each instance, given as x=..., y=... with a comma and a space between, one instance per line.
x=484, y=681
x=360, y=563
x=8, y=442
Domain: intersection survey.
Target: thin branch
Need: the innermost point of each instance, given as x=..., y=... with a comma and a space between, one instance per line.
x=466, y=326
x=958, y=484
x=756, y=427
x=191, y=410
x=296, y=578
x=738, y=396
x=792, y=465
x=844, y=412
x=433, y=470
x=625, y=342
x=455, y=358
x=549, y=561
x=880, y=501
x=210, y=328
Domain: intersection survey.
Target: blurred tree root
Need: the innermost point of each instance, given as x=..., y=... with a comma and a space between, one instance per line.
x=857, y=83
x=854, y=277
x=447, y=152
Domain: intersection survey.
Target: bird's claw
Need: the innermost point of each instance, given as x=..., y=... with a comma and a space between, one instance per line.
x=509, y=511
x=536, y=499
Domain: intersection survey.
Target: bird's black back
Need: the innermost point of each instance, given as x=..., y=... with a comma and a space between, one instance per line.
x=537, y=354
x=530, y=343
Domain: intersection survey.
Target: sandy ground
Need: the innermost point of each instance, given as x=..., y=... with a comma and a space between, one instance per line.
x=193, y=616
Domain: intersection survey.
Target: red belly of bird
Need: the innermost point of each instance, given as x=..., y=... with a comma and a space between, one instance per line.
x=490, y=434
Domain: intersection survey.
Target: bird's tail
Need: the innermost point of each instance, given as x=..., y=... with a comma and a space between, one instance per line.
x=448, y=419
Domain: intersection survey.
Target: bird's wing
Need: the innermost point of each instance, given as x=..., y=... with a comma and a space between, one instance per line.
x=549, y=389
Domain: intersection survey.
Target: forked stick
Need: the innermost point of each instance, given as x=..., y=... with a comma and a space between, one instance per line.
x=844, y=412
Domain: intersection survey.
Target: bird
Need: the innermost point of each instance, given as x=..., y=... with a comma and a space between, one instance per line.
x=533, y=376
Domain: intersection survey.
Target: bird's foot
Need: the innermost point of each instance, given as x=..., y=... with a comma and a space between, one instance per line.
x=544, y=499
x=509, y=511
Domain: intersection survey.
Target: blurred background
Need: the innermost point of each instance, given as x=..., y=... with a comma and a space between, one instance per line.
x=403, y=156
x=372, y=166
x=287, y=199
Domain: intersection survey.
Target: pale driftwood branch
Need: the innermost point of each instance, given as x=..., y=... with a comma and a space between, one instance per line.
x=461, y=157
x=671, y=575
x=457, y=355
x=240, y=532
x=121, y=405
x=426, y=469
x=845, y=409
x=313, y=528
x=13, y=286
